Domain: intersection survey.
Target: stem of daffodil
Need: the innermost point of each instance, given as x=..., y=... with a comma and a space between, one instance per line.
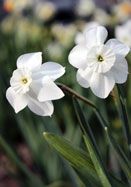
x=75, y=94
x=124, y=115
x=88, y=102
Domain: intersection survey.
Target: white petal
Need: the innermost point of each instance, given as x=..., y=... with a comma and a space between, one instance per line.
x=40, y=108
x=90, y=25
x=49, y=91
x=50, y=69
x=120, y=70
x=118, y=47
x=77, y=56
x=32, y=61
x=101, y=85
x=82, y=78
x=96, y=36
x=17, y=101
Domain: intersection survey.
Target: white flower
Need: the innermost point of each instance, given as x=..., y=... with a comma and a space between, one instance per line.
x=123, y=33
x=102, y=17
x=99, y=65
x=85, y=7
x=32, y=84
x=45, y=10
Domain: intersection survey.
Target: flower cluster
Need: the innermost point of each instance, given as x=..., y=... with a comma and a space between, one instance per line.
x=100, y=65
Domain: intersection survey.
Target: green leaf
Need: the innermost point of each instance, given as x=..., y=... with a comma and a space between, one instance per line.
x=86, y=130
x=91, y=146
x=85, y=127
x=123, y=160
x=78, y=159
x=98, y=166
x=123, y=114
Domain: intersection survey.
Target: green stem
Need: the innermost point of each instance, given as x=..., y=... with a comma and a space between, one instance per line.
x=78, y=96
x=124, y=115
x=75, y=94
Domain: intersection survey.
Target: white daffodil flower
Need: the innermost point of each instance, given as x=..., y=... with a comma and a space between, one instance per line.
x=123, y=33
x=100, y=65
x=32, y=84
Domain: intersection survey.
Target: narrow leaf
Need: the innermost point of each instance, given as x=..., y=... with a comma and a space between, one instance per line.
x=76, y=157
x=91, y=146
x=85, y=127
x=124, y=115
x=95, y=159
x=123, y=160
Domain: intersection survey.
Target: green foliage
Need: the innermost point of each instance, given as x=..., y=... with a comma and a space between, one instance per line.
x=77, y=158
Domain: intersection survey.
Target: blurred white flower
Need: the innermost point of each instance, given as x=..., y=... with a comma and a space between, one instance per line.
x=32, y=84
x=122, y=11
x=64, y=33
x=80, y=35
x=85, y=7
x=123, y=33
x=102, y=17
x=55, y=51
x=99, y=65
x=45, y=10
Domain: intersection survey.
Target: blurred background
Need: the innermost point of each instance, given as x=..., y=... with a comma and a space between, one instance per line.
x=53, y=27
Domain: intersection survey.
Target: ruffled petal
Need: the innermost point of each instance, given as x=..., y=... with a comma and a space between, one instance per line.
x=118, y=47
x=49, y=91
x=82, y=77
x=101, y=85
x=96, y=36
x=17, y=101
x=120, y=70
x=32, y=61
x=78, y=55
x=40, y=108
x=107, y=55
x=50, y=69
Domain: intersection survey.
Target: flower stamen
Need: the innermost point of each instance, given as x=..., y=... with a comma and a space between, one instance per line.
x=24, y=80
x=100, y=58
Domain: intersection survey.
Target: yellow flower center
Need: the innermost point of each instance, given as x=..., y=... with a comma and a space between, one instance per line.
x=100, y=58
x=24, y=80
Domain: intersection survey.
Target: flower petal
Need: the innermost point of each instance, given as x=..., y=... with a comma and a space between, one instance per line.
x=96, y=36
x=17, y=101
x=120, y=70
x=77, y=56
x=118, y=47
x=101, y=85
x=50, y=69
x=49, y=91
x=40, y=108
x=32, y=61
x=82, y=78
